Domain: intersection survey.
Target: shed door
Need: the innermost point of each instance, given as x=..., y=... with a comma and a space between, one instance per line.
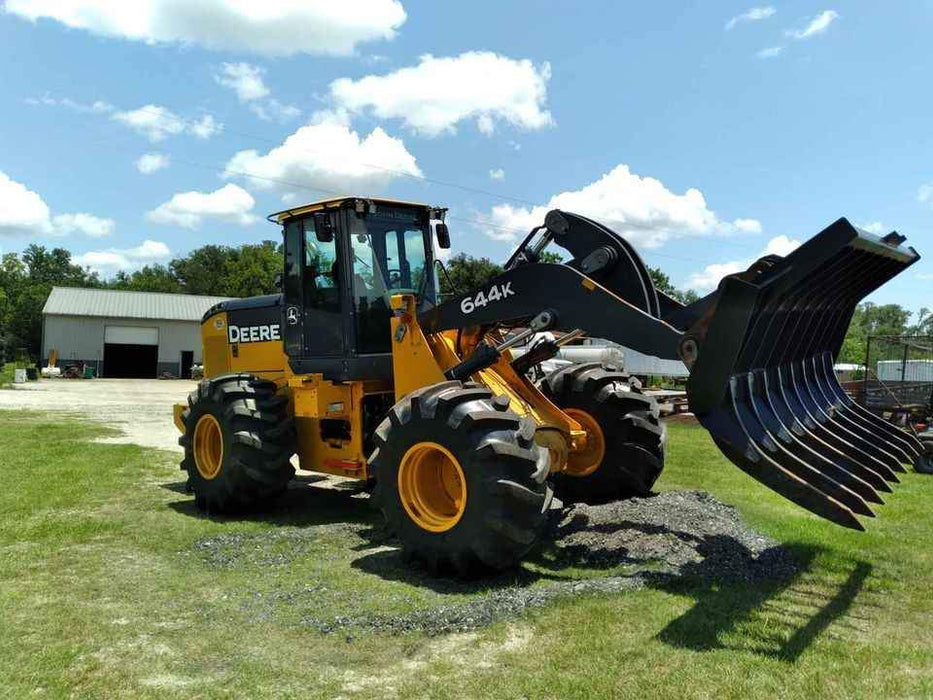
x=131, y=335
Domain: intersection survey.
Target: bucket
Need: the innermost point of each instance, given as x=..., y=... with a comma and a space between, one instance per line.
x=19, y=376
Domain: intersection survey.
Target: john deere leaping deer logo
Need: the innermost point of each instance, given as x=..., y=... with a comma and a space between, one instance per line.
x=291, y=315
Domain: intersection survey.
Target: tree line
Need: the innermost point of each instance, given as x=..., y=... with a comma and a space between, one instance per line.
x=27, y=279
x=250, y=269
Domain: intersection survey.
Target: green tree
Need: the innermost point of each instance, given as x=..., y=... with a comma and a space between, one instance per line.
x=250, y=270
x=466, y=273
x=202, y=270
x=663, y=284
x=151, y=278
x=26, y=282
x=872, y=320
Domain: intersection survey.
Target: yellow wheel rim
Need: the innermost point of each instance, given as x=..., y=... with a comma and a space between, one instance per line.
x=587, y=461
x=208, y=446
x=432, y=487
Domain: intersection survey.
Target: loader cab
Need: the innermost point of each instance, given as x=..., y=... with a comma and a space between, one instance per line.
x=344, y=259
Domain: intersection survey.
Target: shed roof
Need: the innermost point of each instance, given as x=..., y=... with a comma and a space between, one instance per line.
x=110, y=303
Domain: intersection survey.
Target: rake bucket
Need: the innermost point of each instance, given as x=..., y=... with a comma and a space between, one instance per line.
x=763, y=382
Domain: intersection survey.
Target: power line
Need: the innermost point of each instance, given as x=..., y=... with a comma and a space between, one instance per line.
x=401, y=173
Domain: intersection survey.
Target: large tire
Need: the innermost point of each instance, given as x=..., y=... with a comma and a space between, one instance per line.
x=631, y=437
x=504, y=474
x=238, y=442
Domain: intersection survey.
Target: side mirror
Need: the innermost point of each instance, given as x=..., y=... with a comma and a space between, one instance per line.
x=277, y=281
x=323, y=227
x=443, y=235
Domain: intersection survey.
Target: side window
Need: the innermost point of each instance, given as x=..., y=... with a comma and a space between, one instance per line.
x=414, y=259
x=292, y=276
x=393, y=261
x=322, y=271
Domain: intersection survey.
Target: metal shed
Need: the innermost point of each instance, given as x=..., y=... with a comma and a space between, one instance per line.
x=125, y=334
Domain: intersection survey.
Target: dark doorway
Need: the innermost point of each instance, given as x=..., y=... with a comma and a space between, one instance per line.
x=130, y=361
x=187, y=359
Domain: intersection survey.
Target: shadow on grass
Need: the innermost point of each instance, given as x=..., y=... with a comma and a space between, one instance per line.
x=302, y=505
x=769, y=602
x=775, y=618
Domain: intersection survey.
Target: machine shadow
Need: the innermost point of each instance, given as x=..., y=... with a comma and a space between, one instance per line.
x=732, y=587
x=301, y=505
x=777, y=618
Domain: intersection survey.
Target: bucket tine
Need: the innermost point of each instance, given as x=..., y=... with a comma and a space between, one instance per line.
x=825, y=477
x=809, y=440
x=906, y=439
x=763, y=382
x=760, y=467
x=791, y=393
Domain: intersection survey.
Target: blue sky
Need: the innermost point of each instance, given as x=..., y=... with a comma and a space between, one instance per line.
x=706, y=141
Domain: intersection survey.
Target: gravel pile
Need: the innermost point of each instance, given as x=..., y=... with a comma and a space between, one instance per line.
x=657, y=541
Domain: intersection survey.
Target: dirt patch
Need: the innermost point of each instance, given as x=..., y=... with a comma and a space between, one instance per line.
x=141, y=409
x=674, y=537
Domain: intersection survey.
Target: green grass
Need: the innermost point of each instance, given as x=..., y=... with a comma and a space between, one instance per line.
x=111, y=585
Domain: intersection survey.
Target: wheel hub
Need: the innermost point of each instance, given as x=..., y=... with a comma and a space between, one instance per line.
x=432, y=486
x=208, y=446
x=587, y=460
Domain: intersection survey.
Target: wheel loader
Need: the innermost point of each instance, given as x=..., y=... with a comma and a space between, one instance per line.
x=362, y=370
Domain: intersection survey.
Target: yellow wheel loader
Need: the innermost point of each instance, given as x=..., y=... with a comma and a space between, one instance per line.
x=362, y=370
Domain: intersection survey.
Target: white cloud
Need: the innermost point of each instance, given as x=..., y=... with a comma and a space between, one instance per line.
x=497, y=174
x=816, y=26
x=107, y=262
x=770, y=52
x=98, y=107
x=247, y=81
x=24, y=212
x=158, y=123
x=87, y=224
x=875, y=227
x=205, y=127
x=273, y=110
x=755, y=14
x=924, y=276
x=270, y=27
x=438, y=93
x=244, y=79
x=925, y=193
x=149, y=163
x=231, y=204
x=327, y=155
x=641, y=209
x=709, y=278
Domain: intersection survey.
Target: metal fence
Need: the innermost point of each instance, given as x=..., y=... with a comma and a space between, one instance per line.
x=897, y=377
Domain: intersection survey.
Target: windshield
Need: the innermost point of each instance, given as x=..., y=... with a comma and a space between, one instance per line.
x=389, y=257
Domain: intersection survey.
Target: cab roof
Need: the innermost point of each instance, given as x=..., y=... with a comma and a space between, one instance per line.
x=336, y=203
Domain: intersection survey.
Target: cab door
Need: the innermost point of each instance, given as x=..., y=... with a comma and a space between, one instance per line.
x=311, y=312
